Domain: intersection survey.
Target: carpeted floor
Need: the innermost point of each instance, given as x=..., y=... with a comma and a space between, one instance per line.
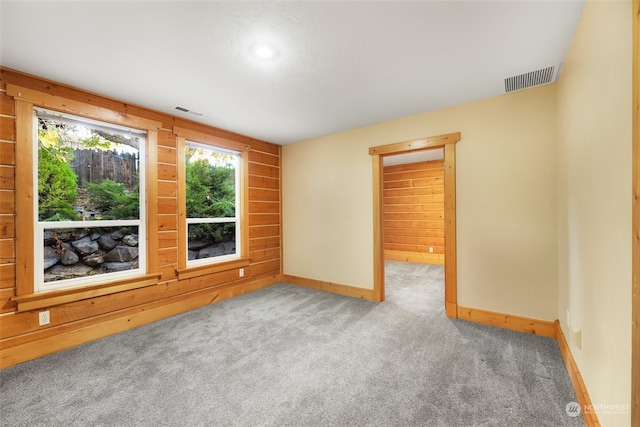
x=291, y=356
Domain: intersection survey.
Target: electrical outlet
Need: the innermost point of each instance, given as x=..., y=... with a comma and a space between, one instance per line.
x=577, y=338
x=430, y=250
x=43, y=318
x=241, y=272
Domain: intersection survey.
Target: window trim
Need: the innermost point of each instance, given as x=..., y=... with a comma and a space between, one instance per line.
x=184, y=271
x=26, y=99
x=40, y=286
x=61, y=296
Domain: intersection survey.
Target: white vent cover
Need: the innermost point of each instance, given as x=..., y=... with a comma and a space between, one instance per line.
x=539, y=77
x=186, y=110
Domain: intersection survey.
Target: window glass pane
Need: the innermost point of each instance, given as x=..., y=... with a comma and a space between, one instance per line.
x=211, y=240
x=210, y=182
x=86, y=170
x=71, y=253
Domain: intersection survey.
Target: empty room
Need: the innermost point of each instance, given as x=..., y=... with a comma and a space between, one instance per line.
x=320, y=213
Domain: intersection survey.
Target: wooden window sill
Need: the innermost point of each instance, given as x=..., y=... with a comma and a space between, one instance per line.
x=63, y=296
x=202, y=270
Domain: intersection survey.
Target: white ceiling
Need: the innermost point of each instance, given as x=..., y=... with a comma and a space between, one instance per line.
x=340, y=64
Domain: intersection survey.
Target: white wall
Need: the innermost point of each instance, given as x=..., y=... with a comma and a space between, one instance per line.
x=594, y=217
x=506, y=201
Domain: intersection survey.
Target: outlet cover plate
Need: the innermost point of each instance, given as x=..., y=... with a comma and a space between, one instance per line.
x=44, y=318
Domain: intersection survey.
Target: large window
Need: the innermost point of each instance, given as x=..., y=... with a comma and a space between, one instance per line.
x=212, y=198
x=89, y=211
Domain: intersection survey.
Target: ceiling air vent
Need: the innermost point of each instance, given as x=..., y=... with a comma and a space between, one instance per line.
x=186, y=110
x=539, y=77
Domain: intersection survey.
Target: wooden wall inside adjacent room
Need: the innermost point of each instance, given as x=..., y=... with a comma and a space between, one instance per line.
x=414, y=212
x=77, y=322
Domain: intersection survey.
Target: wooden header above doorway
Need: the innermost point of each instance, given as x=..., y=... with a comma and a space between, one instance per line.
x=416, y=144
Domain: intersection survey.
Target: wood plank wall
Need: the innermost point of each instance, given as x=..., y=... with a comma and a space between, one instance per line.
x=74, y=323
x=413, y=212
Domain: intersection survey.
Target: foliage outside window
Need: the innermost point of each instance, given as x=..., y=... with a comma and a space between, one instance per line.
x=212, y=204
x=89, y=210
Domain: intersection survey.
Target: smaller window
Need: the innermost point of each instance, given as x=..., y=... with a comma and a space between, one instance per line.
x=212, y=204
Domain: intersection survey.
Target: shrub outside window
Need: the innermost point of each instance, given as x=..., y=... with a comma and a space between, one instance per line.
x=212, y=204
x=88, y=214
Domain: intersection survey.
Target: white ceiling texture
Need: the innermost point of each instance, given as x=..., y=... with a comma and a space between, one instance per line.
x=334, y=65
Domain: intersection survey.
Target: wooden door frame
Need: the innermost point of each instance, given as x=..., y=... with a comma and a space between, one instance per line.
x=635, y=281
x=448, y=143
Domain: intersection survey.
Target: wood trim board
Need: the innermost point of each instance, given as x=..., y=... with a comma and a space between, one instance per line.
x=336, y=288
x=151, y=214
x=415, y=144
x=635, y=237
x=508, y=321
x=450, y=237
x=49, y=299
x=81, y=109
x=589, y=415
x=378, y=230
x=447, y=142
x=25, y=205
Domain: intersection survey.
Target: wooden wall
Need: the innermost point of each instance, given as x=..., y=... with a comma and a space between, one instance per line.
x=81, y=321
x=413, y=212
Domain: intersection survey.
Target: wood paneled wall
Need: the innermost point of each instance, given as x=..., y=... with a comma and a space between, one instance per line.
x=413, y=212
x=81, y=321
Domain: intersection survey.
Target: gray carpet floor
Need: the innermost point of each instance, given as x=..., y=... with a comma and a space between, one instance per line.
x=291, y=356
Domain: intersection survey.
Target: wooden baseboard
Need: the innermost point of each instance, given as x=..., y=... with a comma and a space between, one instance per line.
x=507, y=321
x=589, y=415
x=419, y=257
x=34, y=349
x=451, y=310
x=350, y=291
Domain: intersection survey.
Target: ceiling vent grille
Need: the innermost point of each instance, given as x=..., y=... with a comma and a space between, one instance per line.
x=539, y=77
x=186, y=110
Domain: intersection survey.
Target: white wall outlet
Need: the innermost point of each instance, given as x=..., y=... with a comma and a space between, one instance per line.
x=43, y=318
x=241, y=272
x=577, y=338
x=430, y=250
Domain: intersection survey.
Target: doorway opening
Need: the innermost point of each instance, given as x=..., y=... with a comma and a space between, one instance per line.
x=413, y=222
x=447, y=143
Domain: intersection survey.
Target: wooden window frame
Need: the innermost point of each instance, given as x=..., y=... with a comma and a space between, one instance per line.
x=184, y=271
x=43, y=226
x=448, y=143
x=26, y=298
